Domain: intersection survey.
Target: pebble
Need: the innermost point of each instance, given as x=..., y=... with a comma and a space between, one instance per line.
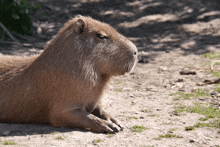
x=213, y=93
x=179, y=80
x=192, y=141
x=5, y=133
x=162, y=68
x=182, y=90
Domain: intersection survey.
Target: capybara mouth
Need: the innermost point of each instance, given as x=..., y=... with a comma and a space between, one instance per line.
x=131, y=65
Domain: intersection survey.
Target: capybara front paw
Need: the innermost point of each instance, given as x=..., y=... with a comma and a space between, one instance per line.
x=115, y=122
x=106, y=127
x=111, y=127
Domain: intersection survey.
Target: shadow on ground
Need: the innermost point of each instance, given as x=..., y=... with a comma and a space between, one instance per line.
x=156, y=25
x=7, y=129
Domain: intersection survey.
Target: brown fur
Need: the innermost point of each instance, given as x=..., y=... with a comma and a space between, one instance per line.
x=63, y=86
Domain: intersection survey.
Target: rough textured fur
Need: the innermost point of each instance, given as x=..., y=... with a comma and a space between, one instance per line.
x=63, y=85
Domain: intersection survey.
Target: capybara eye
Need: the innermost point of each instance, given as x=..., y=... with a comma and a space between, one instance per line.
x=102, y=36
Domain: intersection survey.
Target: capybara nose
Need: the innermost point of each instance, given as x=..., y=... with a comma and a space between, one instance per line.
x=134, y=50
x=133, y=53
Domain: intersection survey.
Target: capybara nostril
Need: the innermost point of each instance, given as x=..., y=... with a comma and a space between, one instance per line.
x=135, y=53
x=133, y=49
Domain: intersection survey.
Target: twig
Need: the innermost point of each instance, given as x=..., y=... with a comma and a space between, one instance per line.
x=216, y=81
x=205, y=82
x=28, y=38
x=8, y=33
x=206, y=69
x=212, y=64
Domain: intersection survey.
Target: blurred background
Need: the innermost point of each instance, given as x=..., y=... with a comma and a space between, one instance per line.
x=153, y=25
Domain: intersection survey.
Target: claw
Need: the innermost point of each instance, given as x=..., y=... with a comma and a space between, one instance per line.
x=116, y=130
x=121, y=128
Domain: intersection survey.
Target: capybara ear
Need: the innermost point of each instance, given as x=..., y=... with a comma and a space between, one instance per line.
x=81, y=25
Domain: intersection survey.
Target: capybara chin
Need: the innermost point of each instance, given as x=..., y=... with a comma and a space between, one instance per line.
x=63, y=86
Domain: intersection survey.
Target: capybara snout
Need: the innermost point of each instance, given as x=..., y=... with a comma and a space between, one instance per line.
x=132, y=49
x=129, y=54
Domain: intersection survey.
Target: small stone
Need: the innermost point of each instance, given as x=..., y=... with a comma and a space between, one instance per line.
x=180, y=85
x=162, y=68
x=176, y=114
x=5, y=133
x=39, y=30
x=141, y=117
x=180, y=80
x=148, y=89
x=182, y=90
x=131, y=95
x=136, y=112
x=186, y=72
x=200, y=84
x=143, y=60
x=192, y=141
x=213, y=93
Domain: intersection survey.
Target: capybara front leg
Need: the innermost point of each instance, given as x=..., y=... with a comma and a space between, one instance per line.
x=101, y=113
x=84, y=120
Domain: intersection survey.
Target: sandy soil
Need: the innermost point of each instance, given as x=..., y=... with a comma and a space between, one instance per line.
x=171, y=36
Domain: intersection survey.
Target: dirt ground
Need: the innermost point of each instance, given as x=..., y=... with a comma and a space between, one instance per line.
x=171, y=36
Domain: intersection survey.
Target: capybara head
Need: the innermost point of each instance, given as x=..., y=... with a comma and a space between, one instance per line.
x=95, y=46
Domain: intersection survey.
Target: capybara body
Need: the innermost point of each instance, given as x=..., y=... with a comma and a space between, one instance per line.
x=63, y=85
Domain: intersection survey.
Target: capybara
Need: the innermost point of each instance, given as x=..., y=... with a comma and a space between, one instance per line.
x=63, y=85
